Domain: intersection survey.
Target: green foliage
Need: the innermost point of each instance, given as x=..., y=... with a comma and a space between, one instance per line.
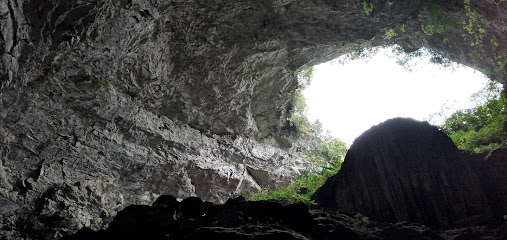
x=480, y=129
x=487, y=72
x=367, y=8
x=330, y=150
x=474, y=25
x=307, y=183
x=304, y=77
x=353, y=51
x=407, y=59
x=439, y=60
x=297, y=117
x=438, y=20
x=326, y=152
x=502, y=63
x=402, y=28
x=494, y=42
x=349, y=47
x=362, y=218
x=307, y=75
x=363, y=51
x=428, y=29
x=390, y=33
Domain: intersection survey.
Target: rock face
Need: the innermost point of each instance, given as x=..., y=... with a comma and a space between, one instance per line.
x=84, y=172
x=406, y=170
x=492, y=170
x=238, y=219
x=111, y=102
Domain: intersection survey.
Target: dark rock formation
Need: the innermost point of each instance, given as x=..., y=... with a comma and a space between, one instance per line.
x=406, y=170
x=492, y=169
x=238, y=219
x=113, y=102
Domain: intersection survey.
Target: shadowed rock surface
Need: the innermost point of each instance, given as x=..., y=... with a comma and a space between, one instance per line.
x=239, y=219
x=492, y=169
x=406, y=170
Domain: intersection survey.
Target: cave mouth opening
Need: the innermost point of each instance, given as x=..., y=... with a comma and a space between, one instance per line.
x=350, y=94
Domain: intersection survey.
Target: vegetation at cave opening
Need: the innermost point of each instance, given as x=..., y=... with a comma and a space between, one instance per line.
x=478, y=130
x=483, y=128
x=475, y=24
x=329, y=155
x=323, y=156
x=438, y=20
x=297, y=116
x=405, y=58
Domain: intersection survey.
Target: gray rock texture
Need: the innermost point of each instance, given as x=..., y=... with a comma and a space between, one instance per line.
x=81, y=156
x=111, y=102
x=406, y=170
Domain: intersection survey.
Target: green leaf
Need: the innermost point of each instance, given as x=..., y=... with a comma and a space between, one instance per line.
x=367, y=8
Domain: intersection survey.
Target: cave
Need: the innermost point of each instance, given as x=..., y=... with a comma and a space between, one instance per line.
x=106, y=104
x=384, y=83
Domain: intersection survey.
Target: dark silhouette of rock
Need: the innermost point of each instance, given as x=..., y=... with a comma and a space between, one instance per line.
x=165, y=201
x=406, y=170
x=238, y=219
x=492, y=169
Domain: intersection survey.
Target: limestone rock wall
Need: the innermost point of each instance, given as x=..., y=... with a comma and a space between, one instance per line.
x=110, y=103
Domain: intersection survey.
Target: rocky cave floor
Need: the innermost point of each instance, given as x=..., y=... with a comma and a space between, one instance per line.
x=240, y=219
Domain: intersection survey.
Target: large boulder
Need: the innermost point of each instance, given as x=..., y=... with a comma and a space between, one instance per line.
x=406, y=170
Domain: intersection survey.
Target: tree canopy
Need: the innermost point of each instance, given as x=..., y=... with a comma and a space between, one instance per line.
x=480, y=129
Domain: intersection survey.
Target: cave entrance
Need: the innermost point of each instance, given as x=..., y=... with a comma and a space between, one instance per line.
x=349, y=95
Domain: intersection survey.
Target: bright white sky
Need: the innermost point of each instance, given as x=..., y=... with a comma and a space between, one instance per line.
x=350, y=98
